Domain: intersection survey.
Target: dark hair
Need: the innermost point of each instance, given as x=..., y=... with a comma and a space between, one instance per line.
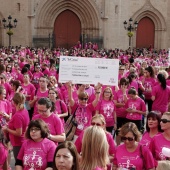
x=151, y=71
x=131, y=76
x=124, y=81
x=162, y=80
x=39, y=123
x=71, y=147
x=153, y=115
x=16, y=83
x=8, y=67
x=132, y=90
x=24, y=70
x=45, y=101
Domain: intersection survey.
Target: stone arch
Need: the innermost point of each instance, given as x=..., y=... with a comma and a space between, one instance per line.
x=159, y=21
x=48, y=11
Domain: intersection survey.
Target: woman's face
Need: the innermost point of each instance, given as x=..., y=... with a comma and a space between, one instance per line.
x=35, y=134
x=26, y=78
x=3, y=95
x=152, y=123
x=97, y=122
x=146, y=73
x=165, y=122
x=64, y=159
x=107, y=94
x=52, y=95
x=129, y=140
x=83, y=101
x=132, y=96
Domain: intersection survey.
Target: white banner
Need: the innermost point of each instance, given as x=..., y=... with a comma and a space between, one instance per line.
x=81, y=70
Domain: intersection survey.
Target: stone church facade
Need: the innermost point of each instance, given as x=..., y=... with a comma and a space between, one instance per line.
x=64, y=22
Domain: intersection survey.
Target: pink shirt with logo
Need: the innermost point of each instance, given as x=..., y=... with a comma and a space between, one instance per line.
x=36, y=155
x=107, y=109
x=29, y=90
x=148, y=84
x=83, y=116
x=120, y=111
x=137, y=104
x=146, y=139
x=162, y=98
x=19, y=120
x=110, y=140
x=156, y=145
x=125, y=159
x=54, y=123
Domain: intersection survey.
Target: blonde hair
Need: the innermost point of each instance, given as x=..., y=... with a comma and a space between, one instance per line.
x=108, y=88
x=164, y=73
x=94, y=148
x=166, y=113
x=19, y=100
x=163, y=165
x=99, y=116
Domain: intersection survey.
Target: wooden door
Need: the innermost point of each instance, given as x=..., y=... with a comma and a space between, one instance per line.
x=67, y=29
x=145, y=33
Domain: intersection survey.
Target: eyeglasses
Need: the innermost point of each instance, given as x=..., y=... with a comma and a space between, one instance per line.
x=52, y=93
x=8, y=67
x=42, y=111
x=84, y=99
x=1, y=78
x=34, y=129
x=127, y=138
x=97, y=124
x=165, y=120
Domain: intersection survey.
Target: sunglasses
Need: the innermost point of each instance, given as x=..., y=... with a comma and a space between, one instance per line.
x=97, y=124
x=165, y=120
x=127, y=138
x=84, y=99
x=1, y=78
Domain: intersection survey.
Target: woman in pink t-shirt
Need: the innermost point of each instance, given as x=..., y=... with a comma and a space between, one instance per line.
x=161, y=140
x=37, y=151
x=107, y=108
x=82, y=110
x=93, y=150
x=55, y=125
x=152, y=127
x=131, y=154
x=160, y=95
x=98, y=120
x=135, y=108
x=60, y=108
x=18, y=123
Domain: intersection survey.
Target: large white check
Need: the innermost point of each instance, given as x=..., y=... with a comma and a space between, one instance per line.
x=81, y=70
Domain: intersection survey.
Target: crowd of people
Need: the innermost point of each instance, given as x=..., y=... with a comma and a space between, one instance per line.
x=125, y=127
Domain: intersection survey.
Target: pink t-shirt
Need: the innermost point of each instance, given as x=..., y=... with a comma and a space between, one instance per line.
x=162, y=98
x=29, y=90
x=134, y=84
x=137, y=104
x=83, y=116
x=156, y=145
x=19, y=120
x=107, y=109
x=110, y=140
x=125, y=159
x=120, y=111
x=146, y=139
x=4, y=155
x=54, y=123
x=60, y=108
x=36, y=155
x=148, y=84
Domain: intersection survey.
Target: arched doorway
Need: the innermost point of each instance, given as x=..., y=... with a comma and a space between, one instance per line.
x=67, y=29
x=145, y=33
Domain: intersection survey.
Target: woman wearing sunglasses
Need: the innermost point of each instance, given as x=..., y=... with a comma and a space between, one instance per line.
x=161, y=140
x=131, y=155
x=98, y=120
x=81, y=109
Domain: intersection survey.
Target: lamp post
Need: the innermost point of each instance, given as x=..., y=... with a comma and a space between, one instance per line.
x=130, y=27
x=9, y=25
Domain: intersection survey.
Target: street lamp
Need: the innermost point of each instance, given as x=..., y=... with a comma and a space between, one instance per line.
x=9, y=25
x=130, y=27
